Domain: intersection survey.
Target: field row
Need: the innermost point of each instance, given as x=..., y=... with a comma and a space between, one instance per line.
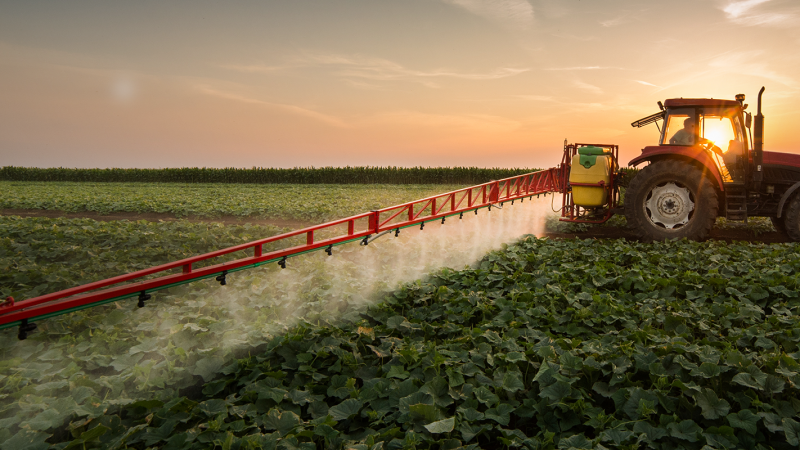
x=317, y=203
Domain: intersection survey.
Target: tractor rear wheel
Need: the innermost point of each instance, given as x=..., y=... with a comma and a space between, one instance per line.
x=791, y=219
x=670, y=199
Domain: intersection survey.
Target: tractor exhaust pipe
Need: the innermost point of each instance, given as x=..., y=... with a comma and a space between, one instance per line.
x=758, y=144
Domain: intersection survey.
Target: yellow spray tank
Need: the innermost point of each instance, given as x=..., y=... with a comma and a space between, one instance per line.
x=590, y=175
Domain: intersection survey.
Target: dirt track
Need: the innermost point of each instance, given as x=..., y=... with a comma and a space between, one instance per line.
x=598, y=232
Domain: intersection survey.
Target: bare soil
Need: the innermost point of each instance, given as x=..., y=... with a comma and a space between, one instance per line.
x=598, y=232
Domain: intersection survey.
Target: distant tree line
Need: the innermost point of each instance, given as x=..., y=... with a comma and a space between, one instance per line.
x=262, y=175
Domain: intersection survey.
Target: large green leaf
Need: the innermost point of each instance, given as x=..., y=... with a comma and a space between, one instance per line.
x=345, y=409
x=744, y=419
x=441, y=426
x=713, y=407
x=556, y=391
x=26, y=440
x=791, y=429
x=686, y=430
x=282, y=421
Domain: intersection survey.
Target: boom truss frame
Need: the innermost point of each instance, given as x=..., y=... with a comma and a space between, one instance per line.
x=359, y=227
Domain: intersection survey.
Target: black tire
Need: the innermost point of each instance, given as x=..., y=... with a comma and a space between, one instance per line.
x=671, y=199
x=791, y=219
x=779, y=223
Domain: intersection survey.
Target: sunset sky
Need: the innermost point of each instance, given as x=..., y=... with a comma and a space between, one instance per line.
x=375, y=82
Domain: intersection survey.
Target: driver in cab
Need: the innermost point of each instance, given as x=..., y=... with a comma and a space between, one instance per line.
x=685, y=136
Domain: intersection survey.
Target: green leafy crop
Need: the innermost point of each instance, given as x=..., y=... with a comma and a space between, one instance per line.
x=545, y=344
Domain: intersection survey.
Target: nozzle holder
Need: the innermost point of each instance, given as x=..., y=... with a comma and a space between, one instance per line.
x=221, y=278
x=143, y=297
x=24, y=329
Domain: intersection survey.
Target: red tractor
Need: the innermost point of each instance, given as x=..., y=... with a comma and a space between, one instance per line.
x=709, y=161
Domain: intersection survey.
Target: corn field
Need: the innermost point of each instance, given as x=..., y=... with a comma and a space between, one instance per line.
x=262, y=175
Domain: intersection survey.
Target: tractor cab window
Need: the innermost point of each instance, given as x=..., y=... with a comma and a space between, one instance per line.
x=679, y=129
x=718, y=132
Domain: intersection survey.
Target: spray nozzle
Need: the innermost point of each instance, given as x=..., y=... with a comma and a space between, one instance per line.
x=282, y=263
x=24, y=329
x=397, y=232
x=476, y=211
x=329, y=250
x=143, y=297
x=365, y=241
x=461, y=216
x=421, y=225
x=221, y=278
x=443, y=220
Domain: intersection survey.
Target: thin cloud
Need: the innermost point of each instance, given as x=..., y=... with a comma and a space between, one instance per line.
x=748, y=13
x=471, y=122
x=734, y=10
x=259, y=68
x=646, y=83
x=380, y=69
x=587, y=87
x=582, y=68
x=614, y=22
x=627, y=17
x=297, y=110
x=538, y=98
x=515, y=14
x=749, y=63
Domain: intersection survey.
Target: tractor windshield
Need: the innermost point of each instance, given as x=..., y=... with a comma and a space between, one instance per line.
x=717, y=128
x=679, y=128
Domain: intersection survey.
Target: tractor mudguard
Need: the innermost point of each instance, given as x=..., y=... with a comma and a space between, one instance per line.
x=698, y=154
x=786, y=196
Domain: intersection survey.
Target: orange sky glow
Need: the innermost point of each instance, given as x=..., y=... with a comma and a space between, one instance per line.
x=491, y=83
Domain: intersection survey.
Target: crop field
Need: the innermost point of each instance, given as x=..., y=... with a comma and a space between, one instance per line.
x=317, y=203
x=539, y=344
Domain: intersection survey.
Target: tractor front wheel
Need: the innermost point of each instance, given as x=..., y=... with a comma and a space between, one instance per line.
x=670, y=199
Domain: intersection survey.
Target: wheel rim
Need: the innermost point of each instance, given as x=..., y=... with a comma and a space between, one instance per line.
x=669, y=205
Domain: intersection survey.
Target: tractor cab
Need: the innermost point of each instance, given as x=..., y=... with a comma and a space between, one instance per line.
x=710, y=131
x=715, y=125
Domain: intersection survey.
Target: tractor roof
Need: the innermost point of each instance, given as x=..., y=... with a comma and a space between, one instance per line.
x=679, y=102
